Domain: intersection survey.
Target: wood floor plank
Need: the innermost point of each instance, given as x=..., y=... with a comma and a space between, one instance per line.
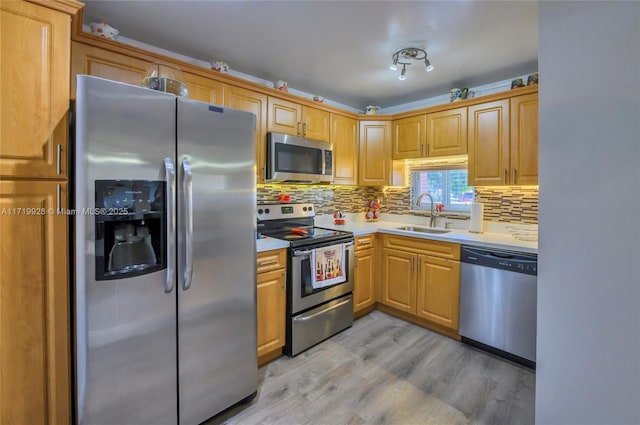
x=384, y=370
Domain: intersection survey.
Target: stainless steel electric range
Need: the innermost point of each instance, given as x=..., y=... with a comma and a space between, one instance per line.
x=319, y=274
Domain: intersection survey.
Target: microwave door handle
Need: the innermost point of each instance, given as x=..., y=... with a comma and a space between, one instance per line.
x=187, y=187
x=171, y=224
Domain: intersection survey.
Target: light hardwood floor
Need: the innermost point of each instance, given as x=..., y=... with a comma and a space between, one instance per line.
x=384, y=370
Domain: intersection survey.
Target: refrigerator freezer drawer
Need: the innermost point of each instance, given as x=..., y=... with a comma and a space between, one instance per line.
x=318, y=324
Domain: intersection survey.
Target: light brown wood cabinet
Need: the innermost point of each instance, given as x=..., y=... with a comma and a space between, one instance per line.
x=422, y=278
x=34, y=303
x=503, y=142
x=399, y=280
x=256, y=103
x=447, y=133
x=524, y=139
x=316, y=124
x=297, y=120
x=365, y=272
x=438, y=290
x=203, y=89
x=344, y=136
x=271, y=303
x=35, y=84
x=102, y=63
x=35, y=363
x=374, y=153
x=409, y=137
x=489, y=143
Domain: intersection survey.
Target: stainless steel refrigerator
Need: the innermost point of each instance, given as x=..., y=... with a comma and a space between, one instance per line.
x=164, y=256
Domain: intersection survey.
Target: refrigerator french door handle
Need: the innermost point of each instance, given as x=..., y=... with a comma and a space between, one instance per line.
x=187, y=187
x=171, y=224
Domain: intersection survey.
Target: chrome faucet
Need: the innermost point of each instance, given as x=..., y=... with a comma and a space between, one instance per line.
x=434, y=213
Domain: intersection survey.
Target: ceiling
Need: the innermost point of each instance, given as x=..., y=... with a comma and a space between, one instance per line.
x=341, y=49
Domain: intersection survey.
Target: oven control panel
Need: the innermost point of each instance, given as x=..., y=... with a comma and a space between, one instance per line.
x=285, y=211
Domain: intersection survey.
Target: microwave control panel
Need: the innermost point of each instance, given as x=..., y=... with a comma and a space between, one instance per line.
x=328, y=163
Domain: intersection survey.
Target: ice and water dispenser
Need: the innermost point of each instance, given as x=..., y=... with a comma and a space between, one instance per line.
x=130, y=228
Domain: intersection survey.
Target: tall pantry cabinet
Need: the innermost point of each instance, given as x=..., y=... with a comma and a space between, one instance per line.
x=35, y=379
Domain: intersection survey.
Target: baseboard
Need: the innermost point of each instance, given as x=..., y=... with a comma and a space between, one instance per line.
x=419, y=321
x=269, y=357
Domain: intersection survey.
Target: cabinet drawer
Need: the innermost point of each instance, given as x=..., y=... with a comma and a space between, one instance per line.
x=272, y=260
x=365, y=242
x=423, y=246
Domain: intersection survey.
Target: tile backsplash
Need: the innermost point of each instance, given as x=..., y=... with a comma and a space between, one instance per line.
x=513, y=204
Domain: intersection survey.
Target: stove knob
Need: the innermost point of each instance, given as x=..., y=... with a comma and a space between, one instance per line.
x=260, y=211
x=267, y=211
x=304, y=208
x=310, y=208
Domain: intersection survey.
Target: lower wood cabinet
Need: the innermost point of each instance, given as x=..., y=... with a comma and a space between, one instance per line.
x=271, y=304
x=35, y=380
x=422, y=278
x=438, y=290
x=365, y=273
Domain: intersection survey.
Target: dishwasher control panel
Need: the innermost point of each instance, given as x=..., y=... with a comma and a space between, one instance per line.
x=498, y=259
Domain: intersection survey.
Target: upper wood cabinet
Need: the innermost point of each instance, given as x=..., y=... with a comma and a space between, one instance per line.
x=409, y=135
x=447, y=133
x=256, y=103
x=344, y=136
x=34, y=73
x=315, y=124
x=374, y=153
x=203, y=89
x=489, y=143
x=34, y=301
x=284, y=117
x=524, y=139
x=297, y=120
x=503, y=142
x=105, y=64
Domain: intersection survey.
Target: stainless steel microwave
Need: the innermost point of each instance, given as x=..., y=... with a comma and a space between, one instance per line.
x=297, y=159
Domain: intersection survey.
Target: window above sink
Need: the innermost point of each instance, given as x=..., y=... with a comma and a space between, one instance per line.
x=447, y=183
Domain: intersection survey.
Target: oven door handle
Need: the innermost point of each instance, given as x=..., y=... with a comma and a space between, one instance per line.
x=298, y=253
x=324, y=311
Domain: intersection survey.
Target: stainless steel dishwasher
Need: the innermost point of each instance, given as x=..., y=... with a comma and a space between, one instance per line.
x=498, y=301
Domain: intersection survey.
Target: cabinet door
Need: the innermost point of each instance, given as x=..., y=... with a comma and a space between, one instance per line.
x=315, y=124
x=398, y=280
x=363, y=292
x=447, y=132
x=284, y=117
x=438, y=290
x=34, y=78
x=344, y=136
x=489, y=144
x=374, y=153
x=34, y=305
x=271, y=311
x=256, y=103
x=524, y=139
x=203, y=89
x=409, y=137
x=102, y=63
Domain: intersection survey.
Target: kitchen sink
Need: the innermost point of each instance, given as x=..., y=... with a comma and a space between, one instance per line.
x=423, y=229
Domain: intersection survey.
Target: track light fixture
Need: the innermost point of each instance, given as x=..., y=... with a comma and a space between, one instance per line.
x=404, y=57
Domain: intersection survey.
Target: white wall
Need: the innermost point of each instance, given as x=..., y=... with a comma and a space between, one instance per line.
x=589, y=283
